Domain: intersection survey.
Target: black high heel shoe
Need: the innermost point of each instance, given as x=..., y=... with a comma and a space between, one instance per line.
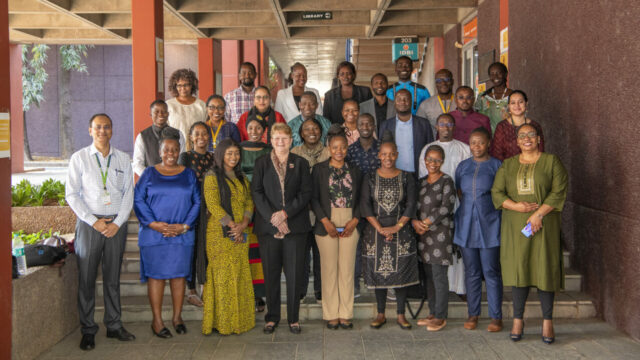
x=517, y=337
x=163, y=334
x=180, y=328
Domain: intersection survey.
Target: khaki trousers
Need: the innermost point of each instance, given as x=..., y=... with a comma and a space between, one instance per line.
x=337, y=261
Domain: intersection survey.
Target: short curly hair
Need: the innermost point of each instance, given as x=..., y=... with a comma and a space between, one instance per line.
x=186, y=74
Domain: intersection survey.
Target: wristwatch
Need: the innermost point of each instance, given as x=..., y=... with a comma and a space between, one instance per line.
x=185, y=228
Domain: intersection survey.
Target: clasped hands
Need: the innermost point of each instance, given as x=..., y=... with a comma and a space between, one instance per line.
x=278, y=220
x=167, y=230
x=349, y=227
x=237, y=230
x=106, y=227
x=421, y=226
x=388, y=231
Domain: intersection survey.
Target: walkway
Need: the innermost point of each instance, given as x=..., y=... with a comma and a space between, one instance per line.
x=577, y=339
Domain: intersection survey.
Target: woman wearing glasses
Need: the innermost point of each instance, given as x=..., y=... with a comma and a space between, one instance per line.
x=530, y=189
x=262, y=111
x=185, y=108
x=220, y=128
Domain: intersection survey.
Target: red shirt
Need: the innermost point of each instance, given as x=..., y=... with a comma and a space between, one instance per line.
x=242, y=126
x=505, y=141
x=465, y=125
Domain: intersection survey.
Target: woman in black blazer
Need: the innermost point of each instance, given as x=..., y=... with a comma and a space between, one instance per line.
x=335, y=201
x=281, y=189
x=347, y=90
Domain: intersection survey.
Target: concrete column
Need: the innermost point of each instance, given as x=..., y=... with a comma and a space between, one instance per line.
x=17, y=115
x=232, y=50
x=251, y=53
x=5, y=193
x=147, y=53
x=209, y=63
x=263, y=63
x=438, y=53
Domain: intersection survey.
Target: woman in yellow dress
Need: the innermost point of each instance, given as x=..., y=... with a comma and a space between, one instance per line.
x=228, y=292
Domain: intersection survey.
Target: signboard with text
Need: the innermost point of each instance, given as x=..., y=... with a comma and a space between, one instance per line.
x=405, y=46
x=317, y=15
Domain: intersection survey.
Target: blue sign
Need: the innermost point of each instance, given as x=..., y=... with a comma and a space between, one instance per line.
x=405, y=46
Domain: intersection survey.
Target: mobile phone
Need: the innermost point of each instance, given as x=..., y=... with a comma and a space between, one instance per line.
x=340, y=229
x=526, y=231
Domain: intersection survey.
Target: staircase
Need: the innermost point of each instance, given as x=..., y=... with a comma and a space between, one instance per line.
x=569, y=304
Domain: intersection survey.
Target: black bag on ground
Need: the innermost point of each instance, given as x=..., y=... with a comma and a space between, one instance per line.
x=41, y=254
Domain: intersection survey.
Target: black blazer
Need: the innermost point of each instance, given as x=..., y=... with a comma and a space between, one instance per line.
x=332, y=107
x=422, y=135
x=320, y=202
x=267, y=196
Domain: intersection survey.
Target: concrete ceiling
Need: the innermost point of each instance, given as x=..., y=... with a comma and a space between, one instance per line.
x=319, y=44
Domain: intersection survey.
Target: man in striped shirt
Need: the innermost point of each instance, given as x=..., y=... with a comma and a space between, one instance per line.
x=100, y=192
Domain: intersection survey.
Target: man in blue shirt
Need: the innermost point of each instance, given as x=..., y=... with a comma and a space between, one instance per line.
x=410, y=133
x=419, y=93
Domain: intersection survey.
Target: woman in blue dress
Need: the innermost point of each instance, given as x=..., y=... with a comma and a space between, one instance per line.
x=477, y=225
x=167, y=204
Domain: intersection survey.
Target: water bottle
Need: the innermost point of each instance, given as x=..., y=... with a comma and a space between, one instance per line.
x=18, y=252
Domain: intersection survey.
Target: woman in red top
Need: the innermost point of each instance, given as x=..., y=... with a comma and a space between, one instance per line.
x=504, y=143
x=262, y=108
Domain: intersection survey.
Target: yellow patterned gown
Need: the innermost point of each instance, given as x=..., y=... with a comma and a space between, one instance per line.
x=228, y=291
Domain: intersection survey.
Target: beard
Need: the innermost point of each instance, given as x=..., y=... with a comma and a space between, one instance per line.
x=248, y=82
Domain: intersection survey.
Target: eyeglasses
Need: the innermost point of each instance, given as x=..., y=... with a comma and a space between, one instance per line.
x=530, y=134
x=183, y=85
x=211, y=107
x=441, y=80
x=265, y=97
x=461, y=97
x=432, y=160
x=447, y=124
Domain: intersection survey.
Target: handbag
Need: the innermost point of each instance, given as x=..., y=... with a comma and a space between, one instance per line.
x=41, y=254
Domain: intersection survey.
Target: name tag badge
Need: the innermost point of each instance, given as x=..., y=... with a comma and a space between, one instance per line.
x=106, y=198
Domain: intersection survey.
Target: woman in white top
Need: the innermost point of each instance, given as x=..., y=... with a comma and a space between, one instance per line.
x=185, y=108
x=288, y=99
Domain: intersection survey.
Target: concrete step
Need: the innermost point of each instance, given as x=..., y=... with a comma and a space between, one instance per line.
x=568, y=305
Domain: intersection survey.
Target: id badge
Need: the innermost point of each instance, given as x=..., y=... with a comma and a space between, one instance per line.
x=105, y=198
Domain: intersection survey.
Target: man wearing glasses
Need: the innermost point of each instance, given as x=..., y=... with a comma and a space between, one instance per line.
x=444, y=103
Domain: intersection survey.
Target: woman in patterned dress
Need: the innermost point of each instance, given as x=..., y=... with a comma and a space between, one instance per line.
x=228, y=292
x=200, y=161
x=435, y=227
x=389, y=258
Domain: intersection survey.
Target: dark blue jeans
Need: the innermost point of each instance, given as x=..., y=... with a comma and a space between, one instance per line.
x=479, y=263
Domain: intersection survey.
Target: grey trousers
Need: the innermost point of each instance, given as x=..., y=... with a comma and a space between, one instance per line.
x=92, y=247
x=437, y=290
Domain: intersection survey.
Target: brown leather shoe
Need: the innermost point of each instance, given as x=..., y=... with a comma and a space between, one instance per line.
x=471, y=323
x=437, y=324
x=426, y=321
x=495, y=325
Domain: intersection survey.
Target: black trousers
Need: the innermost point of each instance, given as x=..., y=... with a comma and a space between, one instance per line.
x=401, y=300
x=92, y=248
x=311, y=249
x=520, y=295
x=279, y=254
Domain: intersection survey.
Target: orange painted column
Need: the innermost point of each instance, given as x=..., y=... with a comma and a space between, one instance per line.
x=438, y=53
x=147, y=53
x=17, y=115
x=504, y=23
x=251, y=53
x=263, y=63
x=209, y=58
x=232, y=50
x=5, y=193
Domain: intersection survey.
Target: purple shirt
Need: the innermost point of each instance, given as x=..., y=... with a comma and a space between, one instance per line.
x=465, y=125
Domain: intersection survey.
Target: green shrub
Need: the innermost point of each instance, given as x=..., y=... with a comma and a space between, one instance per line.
x=30, y=239
x=26, y=194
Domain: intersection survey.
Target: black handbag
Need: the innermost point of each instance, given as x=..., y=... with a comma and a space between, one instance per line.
x=41, y=254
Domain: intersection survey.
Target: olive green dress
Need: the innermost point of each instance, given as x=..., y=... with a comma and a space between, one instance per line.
x=534, y=261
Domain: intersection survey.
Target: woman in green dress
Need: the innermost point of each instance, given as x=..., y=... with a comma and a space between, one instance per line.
x=251, y=150
x=493, y=102
x=530, y=189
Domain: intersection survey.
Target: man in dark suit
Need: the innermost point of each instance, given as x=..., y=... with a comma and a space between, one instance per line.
x=410, y=133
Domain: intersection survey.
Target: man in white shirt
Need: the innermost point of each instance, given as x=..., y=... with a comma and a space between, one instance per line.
x=100, y=192
x=146, y=149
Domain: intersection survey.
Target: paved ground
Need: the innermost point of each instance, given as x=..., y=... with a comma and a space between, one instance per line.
x=575, y=339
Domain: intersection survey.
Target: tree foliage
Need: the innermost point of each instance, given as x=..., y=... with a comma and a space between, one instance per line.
x=34, y=75
x=72, y=57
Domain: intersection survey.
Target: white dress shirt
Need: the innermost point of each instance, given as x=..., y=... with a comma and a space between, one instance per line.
x=84, y=188
x=286, y=104
x=454, y=152
x=139, y=151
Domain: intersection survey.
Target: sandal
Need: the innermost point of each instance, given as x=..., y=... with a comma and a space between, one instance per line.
x=194, y=300
x=269, y=329
x=260, y=304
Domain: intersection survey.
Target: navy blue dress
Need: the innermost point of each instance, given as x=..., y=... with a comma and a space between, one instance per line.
x=477, y=222
x=172, y=199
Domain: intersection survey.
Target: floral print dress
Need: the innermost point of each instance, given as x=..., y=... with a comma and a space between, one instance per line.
x=436, y=203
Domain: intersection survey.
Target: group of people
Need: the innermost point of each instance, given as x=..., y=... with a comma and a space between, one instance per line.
x=389, y=184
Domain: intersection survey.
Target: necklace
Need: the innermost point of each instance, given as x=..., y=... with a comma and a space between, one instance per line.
x=493, y=94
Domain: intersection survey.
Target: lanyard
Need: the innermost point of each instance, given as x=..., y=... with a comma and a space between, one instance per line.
x=445, y=111
x=104, y=173
x=214, y=137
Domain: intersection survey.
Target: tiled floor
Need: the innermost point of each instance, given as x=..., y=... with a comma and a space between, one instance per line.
x=575, y=339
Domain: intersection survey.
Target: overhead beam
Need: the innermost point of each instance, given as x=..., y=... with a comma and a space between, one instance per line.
x=329, y=32
x=187, y=19
x=44, y=21
x=226, y=20
x=431, y=4
x=339, y=18
x=421, y=30
x=222, y=5
x=95, y=20
x=27, y=7
x=33, y=33
x=376, y=17
x=280, y=19
x=100, y=7
x=420, y=17
x=273, y=32
x=328, y=5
